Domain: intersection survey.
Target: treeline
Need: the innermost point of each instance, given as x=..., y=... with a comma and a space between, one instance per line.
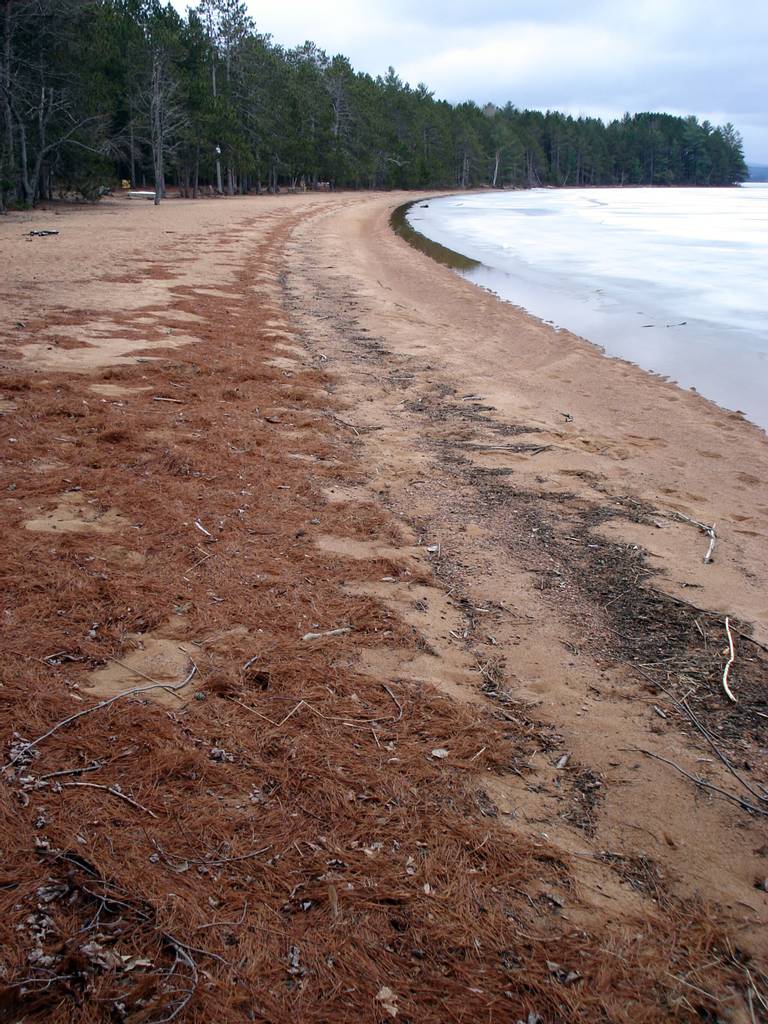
x=95, y=91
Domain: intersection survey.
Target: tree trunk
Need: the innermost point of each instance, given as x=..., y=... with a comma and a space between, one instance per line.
x=464, y=179
x=215, y=90
x=28, y=190
x=132, y=145
x=156, y=111
x=7, y=155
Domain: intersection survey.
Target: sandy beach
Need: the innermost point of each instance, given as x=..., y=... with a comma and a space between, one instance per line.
x=430, y=659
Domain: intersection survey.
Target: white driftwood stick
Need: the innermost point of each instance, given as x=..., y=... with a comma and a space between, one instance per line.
x=328, y=632
x=731, y=659
x=709, y=530
x=712, y=541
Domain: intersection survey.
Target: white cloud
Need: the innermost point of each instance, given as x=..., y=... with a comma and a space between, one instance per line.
x=521, y=57
x=599, y=57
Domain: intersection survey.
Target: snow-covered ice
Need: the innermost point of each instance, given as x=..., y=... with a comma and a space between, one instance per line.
x=675, y=280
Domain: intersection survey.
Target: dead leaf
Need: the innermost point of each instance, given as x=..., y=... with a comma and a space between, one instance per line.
x=388, y=1000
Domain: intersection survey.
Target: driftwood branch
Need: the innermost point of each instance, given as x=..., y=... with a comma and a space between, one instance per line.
x=709, y=530
x=711, y=549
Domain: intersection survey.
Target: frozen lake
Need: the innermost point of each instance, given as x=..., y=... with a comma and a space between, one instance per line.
x=675, y=280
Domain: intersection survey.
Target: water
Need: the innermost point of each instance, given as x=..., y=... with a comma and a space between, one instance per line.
x=675, y=280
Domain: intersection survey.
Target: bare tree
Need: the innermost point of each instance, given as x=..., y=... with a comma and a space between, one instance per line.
x=39, y=93
x=157, y=100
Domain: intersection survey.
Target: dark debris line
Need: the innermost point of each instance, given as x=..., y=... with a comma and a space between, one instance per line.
x=669, y=643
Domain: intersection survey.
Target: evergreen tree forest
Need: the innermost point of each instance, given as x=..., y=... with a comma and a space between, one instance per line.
x=95, y=92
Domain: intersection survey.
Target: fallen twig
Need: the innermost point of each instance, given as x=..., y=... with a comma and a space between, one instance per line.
x=26, y=747
x=242, y=856
x=514, y=449
x=181, y=955
x=330, y=718
x=210, y=861
x=172, y=687
x=222, y=924
x=710, y=550
x=397, y=702
x=113, y=791
x=707, y=611
x=752, y=640
x=344, y=423
x=688, y=984
x=93, y=767
x=282, y=720
x=684, y=706
x=703, y=783
x=45, y=982
x=200, y=561
x=729, y=664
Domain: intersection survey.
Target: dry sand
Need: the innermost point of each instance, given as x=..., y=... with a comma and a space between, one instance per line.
x=242, y=421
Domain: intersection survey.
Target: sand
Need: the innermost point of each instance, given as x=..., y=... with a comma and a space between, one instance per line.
x=231, y=423
x=628, y=437
x=642, y=436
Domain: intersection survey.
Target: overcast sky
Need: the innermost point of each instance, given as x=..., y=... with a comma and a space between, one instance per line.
x=600, y=57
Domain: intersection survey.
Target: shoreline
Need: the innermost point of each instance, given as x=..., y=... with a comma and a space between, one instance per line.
x=442, y=636
x=418, y=240
x=614, y=332
x=552, y=353
x=540, y=521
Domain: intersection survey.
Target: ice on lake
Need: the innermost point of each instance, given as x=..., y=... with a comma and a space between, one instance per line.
x=675, y=280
